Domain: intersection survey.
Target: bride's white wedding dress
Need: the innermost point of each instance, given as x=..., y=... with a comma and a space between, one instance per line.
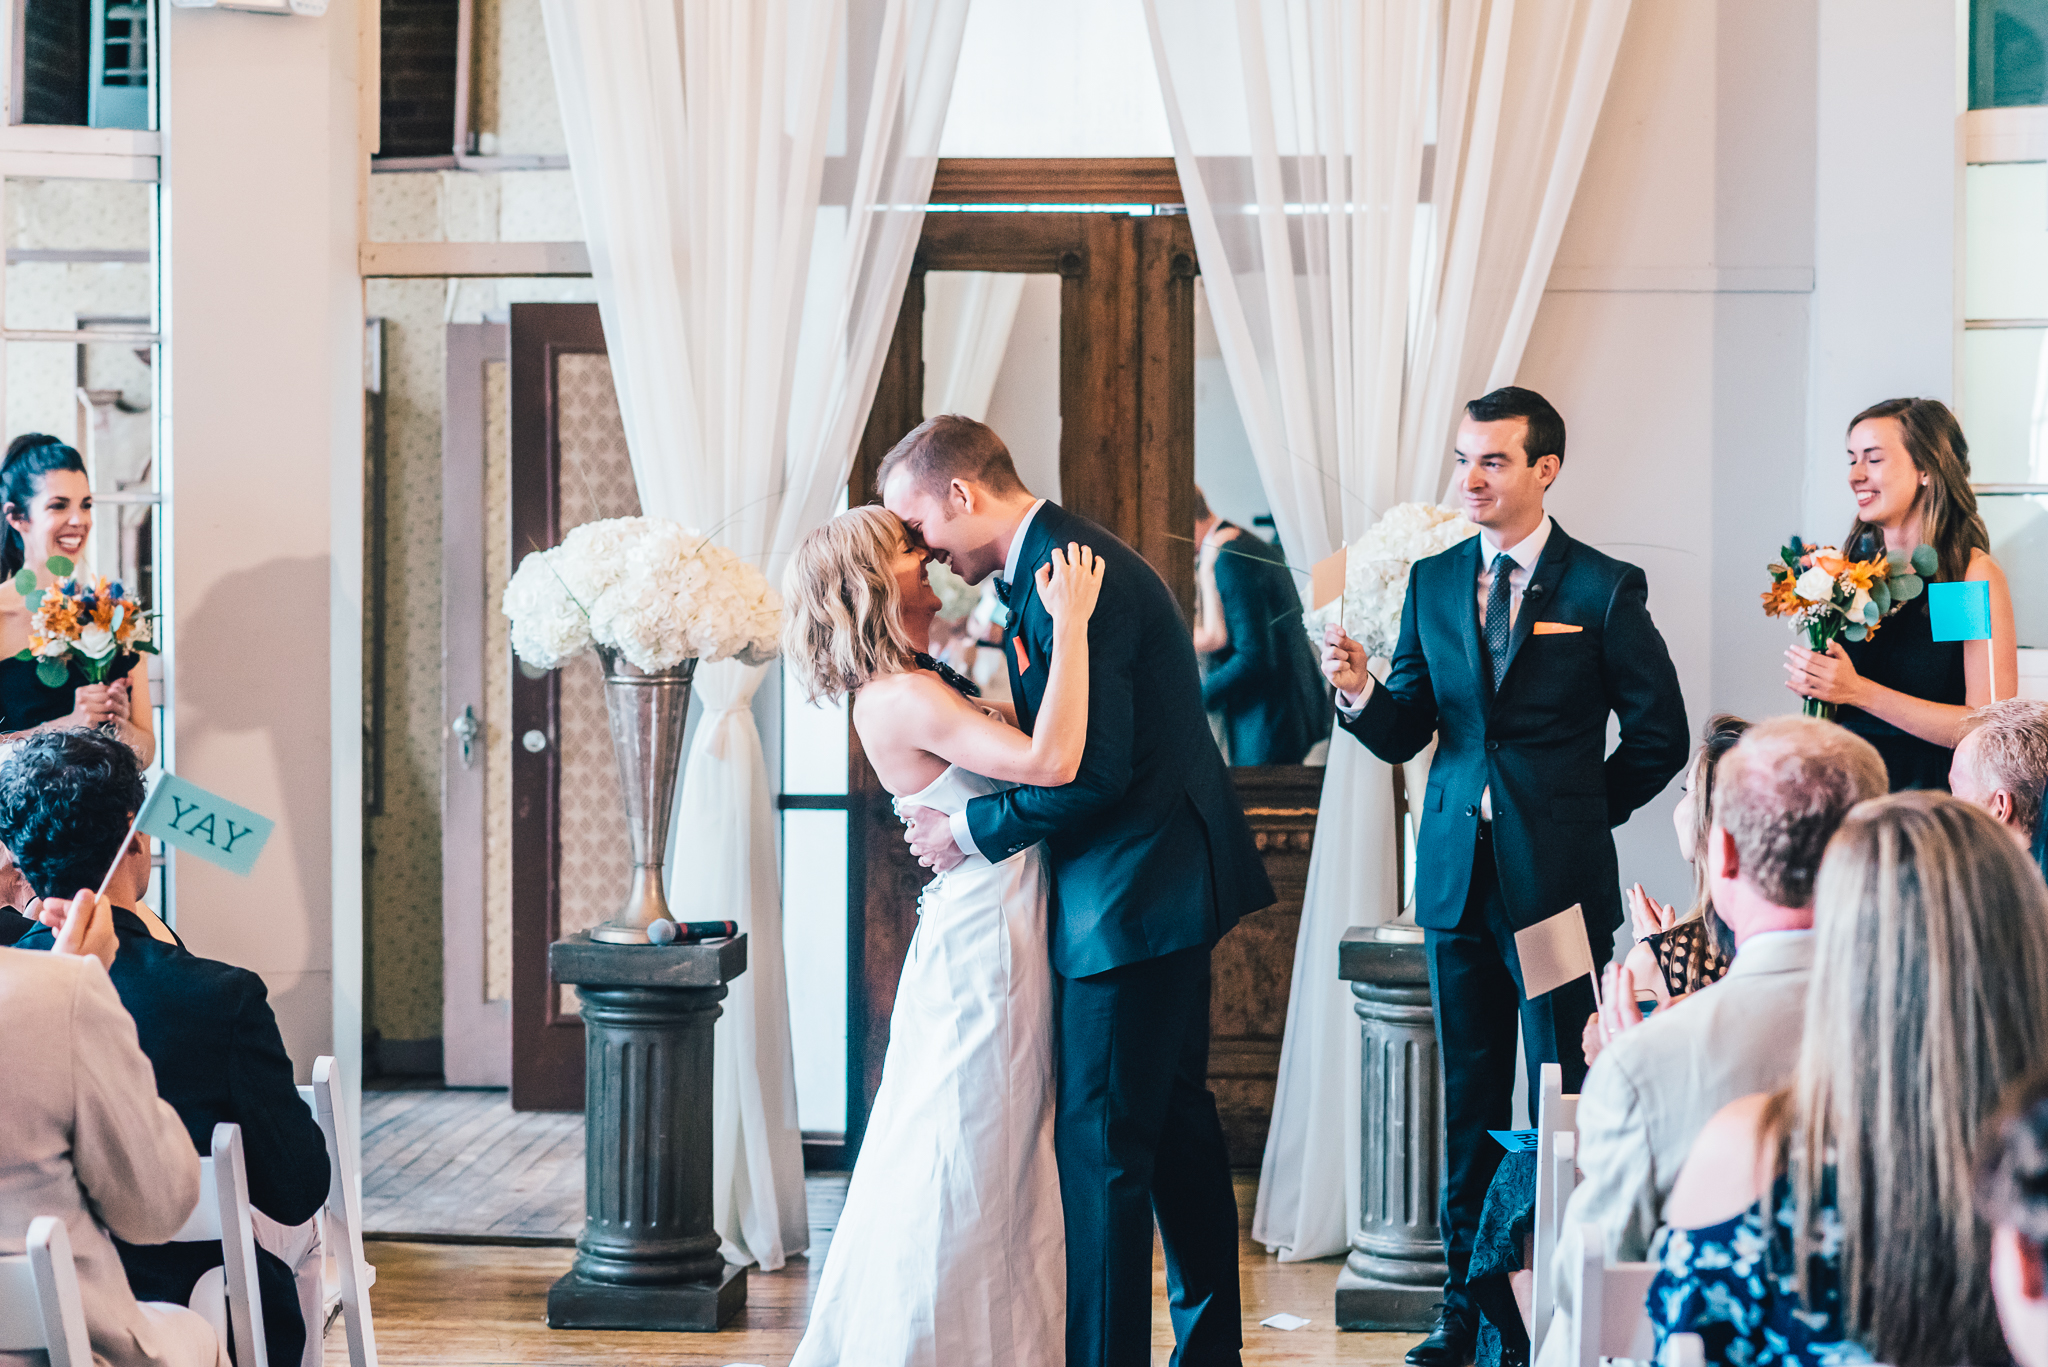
x=951, y=1250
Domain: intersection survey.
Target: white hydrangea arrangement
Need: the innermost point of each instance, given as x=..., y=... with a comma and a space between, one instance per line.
x=654, y=590
x=1376, y=574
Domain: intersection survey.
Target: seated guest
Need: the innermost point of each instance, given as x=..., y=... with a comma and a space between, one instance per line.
x=1675, y=955
x=16, y=900
x=1777, y=799
x=66, y=800
x=84, y=1138
x=2001, y=764
x=1833, y=1218
x=2012, y=1196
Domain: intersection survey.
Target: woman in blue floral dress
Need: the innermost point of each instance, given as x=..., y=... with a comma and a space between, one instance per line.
x=1932, y=963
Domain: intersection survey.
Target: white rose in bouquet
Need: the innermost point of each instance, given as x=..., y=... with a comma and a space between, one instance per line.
x=1376, y=574
x=654, y=590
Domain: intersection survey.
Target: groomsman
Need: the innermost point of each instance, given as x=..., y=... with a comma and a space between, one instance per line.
x=1515, y=646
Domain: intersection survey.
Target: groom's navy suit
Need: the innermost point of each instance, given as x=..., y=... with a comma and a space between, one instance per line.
x=1582, y=646
x=1152, y=862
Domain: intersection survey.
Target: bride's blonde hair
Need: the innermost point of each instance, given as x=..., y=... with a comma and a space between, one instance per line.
x=844, y=621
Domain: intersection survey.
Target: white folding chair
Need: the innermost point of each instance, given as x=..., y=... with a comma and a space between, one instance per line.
x=40, y=1308
x=343, y=1231
x=222, y=1216
x=1557, y=1176
x=1685, y=1350
x=1610, y=1310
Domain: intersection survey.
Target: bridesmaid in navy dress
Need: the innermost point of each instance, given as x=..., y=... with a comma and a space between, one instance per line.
x=1902, y=690
x=47, y=504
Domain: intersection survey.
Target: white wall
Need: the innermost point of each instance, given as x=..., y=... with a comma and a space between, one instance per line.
x=1888, y=185
x=1674, y=339
x=1762, y=244
x=263, y=386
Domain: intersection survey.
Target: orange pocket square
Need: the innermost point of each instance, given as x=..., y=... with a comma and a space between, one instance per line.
x=1554, y=628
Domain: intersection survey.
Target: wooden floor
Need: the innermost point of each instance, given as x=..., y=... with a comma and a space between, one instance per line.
x=465, y=1165
x=468, y=1305
x=462, y=1166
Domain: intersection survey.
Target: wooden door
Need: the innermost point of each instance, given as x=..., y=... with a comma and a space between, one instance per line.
x=1126, y=461
x=568, y=848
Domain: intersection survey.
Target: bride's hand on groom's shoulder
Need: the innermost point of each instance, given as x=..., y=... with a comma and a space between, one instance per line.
x=1070, y=582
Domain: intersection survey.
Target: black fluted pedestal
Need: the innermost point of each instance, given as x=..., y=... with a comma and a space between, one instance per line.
x=1395, y=1273
x=648, y=1257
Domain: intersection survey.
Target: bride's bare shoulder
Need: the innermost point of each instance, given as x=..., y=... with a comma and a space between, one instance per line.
x=914, y=691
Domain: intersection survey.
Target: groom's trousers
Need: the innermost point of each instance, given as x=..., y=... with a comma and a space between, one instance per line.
x=1138, y=1139
x=1475, y=986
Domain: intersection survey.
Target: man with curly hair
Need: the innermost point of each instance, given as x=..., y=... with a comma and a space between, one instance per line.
x=67, y=800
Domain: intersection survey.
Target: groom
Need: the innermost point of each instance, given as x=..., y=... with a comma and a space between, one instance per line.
x=1152, y=862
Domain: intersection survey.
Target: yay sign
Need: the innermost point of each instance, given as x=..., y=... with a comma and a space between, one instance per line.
x=187, y=817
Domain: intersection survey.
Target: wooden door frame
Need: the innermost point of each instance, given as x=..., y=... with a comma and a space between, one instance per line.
x=1126, y=385
x=476, y=1033
x=547, y=1058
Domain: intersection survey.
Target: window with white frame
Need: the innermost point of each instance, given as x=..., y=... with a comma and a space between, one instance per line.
x=80, y=299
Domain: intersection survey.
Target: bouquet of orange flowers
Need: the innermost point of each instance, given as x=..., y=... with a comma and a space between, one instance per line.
x=1828, y=595
x=84, y=618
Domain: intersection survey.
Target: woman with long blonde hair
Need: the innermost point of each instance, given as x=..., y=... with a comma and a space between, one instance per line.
x=1833, y=1220
x=951, y=1247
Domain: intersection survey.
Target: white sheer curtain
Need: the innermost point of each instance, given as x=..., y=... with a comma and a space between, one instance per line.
x=968, y=318
x=752, y=176
x=1354, y=321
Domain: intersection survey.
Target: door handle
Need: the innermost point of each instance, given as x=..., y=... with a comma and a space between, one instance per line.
x=466, y=729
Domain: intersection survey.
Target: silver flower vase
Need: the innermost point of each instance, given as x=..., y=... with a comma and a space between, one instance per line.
x=647, y=710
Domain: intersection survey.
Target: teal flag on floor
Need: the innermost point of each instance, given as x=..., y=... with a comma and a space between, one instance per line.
x=186, y=817
x=1960, y=612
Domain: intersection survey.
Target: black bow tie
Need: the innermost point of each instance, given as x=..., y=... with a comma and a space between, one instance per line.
x=959, y=682
x=1002, y=590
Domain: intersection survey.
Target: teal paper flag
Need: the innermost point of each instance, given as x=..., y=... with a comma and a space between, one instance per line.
x=1960, y=612
x=187, y=817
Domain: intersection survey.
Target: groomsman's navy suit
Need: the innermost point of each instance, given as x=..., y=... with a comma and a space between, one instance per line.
x=1539, y=743
x=1152, y=862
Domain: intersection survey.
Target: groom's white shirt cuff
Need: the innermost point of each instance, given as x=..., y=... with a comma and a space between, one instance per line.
x=963, y=837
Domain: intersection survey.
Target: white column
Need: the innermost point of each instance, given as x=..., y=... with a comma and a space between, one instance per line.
x=264, y=431
x=1888, y=169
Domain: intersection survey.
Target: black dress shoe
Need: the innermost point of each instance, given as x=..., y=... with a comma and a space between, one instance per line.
x=1449, y=1344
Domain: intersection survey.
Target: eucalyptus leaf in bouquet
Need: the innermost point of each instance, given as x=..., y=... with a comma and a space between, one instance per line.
x=1831, y=597
x=82, y=620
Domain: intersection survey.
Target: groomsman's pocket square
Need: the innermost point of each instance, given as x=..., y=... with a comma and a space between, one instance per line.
x=1554, y=628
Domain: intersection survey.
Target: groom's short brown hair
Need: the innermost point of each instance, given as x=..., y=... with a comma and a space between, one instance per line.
x=949, y=447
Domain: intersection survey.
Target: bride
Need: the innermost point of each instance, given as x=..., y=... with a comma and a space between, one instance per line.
x=951, y=1248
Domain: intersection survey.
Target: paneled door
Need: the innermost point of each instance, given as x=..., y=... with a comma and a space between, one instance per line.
x=476, y=757
x=567, y=850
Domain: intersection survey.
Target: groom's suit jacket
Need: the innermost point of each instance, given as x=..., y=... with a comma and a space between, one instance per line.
x=1150, y=850
x=1583, y=646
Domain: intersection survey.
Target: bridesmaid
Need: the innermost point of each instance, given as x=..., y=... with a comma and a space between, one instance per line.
x=1902, y=690
x=47, y=505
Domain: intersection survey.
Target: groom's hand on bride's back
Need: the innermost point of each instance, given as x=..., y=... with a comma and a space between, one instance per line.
x=930, y=834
